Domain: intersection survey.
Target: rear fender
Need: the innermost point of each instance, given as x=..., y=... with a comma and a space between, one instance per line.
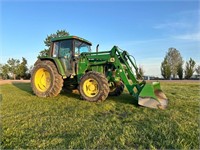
x=58, y=65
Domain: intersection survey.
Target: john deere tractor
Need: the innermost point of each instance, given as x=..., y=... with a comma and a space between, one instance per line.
x=72, y=65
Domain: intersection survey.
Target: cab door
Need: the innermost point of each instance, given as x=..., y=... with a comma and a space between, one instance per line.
x=63, y=50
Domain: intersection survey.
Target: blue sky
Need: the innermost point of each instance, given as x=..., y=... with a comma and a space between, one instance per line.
x=146, y=29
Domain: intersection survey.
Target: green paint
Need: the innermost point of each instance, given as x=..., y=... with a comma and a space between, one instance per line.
x=98, y=68
x=148, y=91
x=119, y=60
x=57, y=63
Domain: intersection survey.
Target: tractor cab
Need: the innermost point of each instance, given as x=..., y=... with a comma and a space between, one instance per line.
x=67, y=49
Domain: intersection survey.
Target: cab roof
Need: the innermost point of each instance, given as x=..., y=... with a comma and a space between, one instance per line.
x=70, y=37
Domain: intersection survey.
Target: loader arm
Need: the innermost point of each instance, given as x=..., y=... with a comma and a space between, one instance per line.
x=148, y=95
x=123, y=67
x=126, y=73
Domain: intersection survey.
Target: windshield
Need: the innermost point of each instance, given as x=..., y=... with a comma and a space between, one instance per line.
x=81, y=47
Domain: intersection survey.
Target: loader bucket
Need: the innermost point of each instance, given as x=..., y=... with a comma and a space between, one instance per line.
x=152, y=96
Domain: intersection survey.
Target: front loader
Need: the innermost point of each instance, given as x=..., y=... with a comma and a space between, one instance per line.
x=72, y=65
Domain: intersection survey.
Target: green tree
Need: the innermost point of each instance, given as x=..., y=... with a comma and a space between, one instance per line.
x=1, y=65
x=4, y=71
x=47, y=41
x=180, y=71
x=165, y=69
x=174, y=60
x=198, y=69
x=44, y=52
x=22, y=68
x=140, y=73
x=190, y=68
x=13, y=66
x=28, y=73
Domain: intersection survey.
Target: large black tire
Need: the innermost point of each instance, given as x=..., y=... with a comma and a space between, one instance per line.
x=45, y=79
x=94, y=87
x=116, y=88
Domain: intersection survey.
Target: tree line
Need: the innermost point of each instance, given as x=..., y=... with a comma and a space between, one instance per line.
x=15, y=69
x=172, y=66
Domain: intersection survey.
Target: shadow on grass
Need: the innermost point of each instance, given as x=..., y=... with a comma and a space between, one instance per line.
x=70, y=94
x=24, y=87
x=124, y=98
x=27, y=88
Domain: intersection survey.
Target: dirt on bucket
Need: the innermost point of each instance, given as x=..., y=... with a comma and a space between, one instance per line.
x=161, y=98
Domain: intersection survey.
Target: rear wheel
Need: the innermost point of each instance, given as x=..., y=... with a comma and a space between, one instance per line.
x=116, y=88
x=94, y=87
x=45, y=79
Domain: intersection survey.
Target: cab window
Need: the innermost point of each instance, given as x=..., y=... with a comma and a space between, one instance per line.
x=55, y=49
x=81, y=47
x=62, y=49
x=65, y=49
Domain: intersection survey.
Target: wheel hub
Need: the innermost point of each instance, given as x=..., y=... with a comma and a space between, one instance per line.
x=42, y=80
x=90, y=87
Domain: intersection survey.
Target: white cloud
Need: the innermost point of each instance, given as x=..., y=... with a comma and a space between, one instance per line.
x=172, y=25
x=151, y=65
x=189, y=37
x=187, y=19
x=139, y=42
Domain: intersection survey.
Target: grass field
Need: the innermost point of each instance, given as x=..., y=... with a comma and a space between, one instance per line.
x=67, y=122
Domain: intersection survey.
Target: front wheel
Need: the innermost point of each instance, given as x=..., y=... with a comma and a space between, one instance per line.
x=45, y=79
x=94, y=87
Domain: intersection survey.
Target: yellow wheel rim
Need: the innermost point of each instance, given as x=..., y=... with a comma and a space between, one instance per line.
x=90, y=87
x=42, y=80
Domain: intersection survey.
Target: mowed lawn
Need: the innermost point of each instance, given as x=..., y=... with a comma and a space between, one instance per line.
x=66, y=122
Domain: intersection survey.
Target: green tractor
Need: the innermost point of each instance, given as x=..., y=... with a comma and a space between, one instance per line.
x=72, y=65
